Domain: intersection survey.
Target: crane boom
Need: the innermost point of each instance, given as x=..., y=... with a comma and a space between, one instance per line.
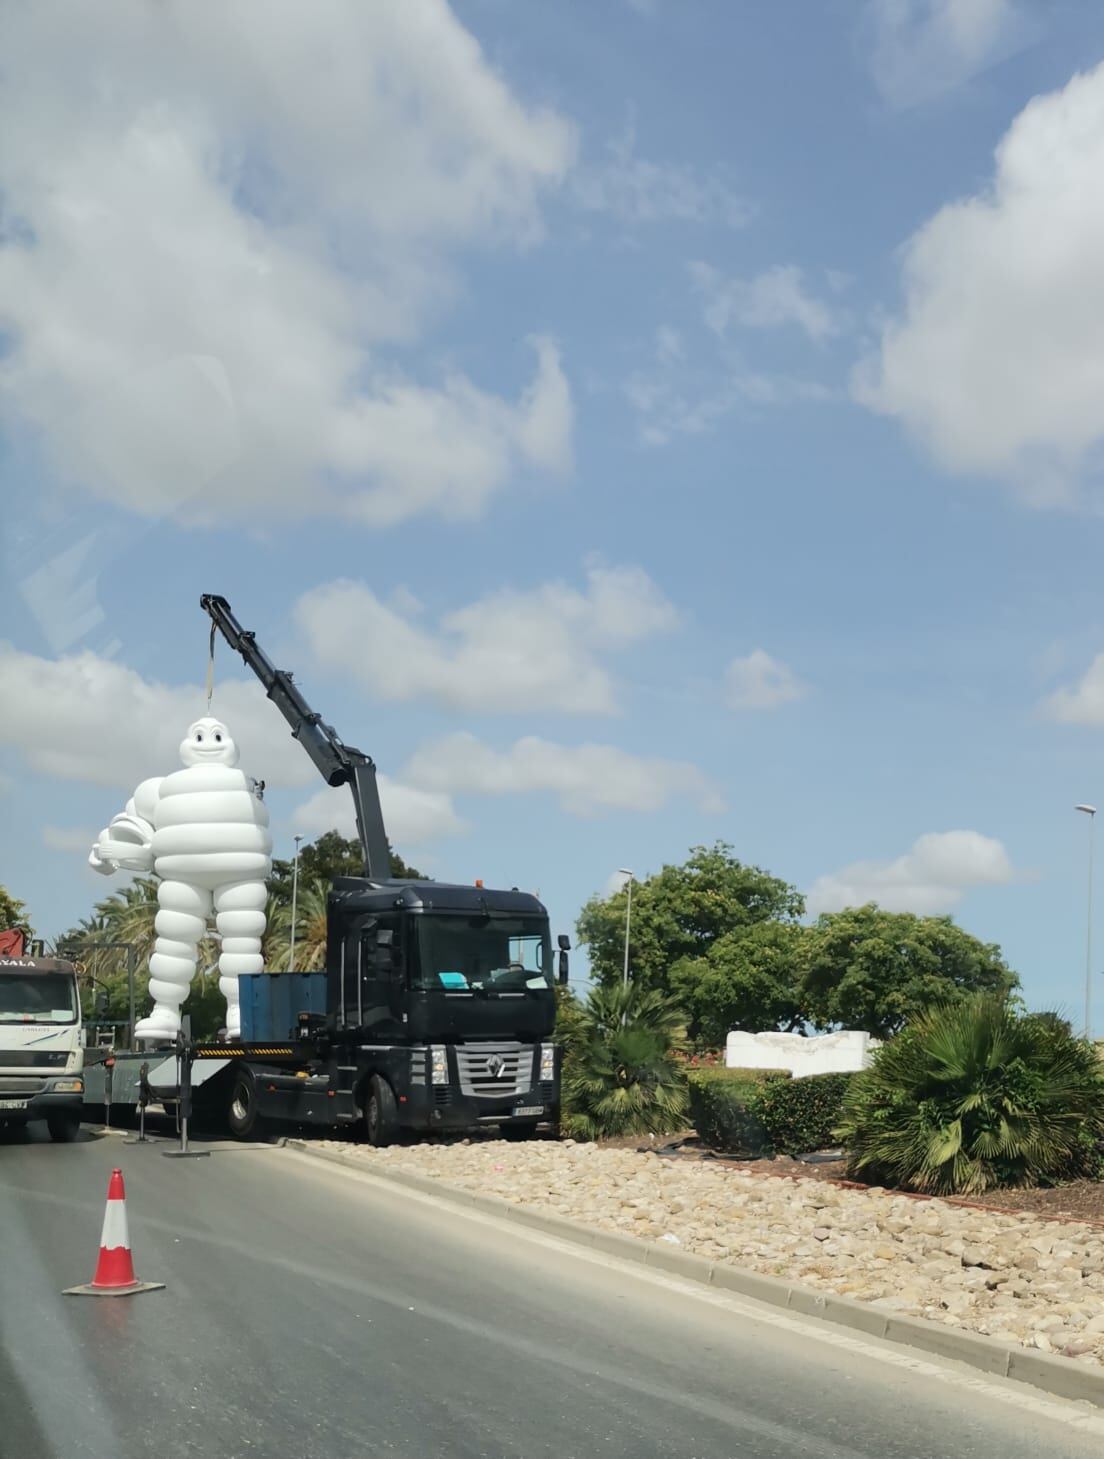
x=337, y=762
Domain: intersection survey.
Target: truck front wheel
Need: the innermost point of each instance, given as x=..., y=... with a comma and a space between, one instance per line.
x=244, y=1115
x=64, y=1125
x=381, y=1113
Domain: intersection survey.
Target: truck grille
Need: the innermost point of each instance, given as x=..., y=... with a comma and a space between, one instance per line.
x=32, y=1058
x=22, y=1086
x=495, y=1069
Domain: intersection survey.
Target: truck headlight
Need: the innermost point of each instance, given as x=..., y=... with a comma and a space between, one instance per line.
x=547, y=1063
x=68, y=1086
x=438, y=1064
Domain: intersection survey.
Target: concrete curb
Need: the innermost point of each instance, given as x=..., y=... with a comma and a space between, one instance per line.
x=1064, y=1377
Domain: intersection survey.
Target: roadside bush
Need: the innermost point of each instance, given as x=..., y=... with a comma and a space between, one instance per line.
x=972, y=1096
x=726, y=1107
x=802, y=1114
x=622, y=1074
x=765, y=1111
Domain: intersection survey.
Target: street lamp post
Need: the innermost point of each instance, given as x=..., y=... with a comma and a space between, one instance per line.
x=294, y=901
x=1090, y=811
x=623, y=871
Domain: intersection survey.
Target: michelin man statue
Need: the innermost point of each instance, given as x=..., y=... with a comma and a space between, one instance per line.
x=203, y=831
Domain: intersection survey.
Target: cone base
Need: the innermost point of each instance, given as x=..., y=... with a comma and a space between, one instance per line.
x=88, y=1290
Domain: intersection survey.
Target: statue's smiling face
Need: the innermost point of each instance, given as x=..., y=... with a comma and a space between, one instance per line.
x=207, y=742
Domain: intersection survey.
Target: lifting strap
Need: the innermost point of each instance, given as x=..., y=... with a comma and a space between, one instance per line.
x=210, y=670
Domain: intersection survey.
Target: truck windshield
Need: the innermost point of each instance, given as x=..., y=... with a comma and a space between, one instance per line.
x=37, y=998
x=483, y=955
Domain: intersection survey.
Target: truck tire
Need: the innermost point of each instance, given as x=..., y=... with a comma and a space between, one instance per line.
x=243, y=1112
x=64, y=1125
x=381, y=1113
x=521, y=1130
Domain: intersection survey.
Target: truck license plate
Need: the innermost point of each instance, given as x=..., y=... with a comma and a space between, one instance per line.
x=530, y=1109
x=13, y=1104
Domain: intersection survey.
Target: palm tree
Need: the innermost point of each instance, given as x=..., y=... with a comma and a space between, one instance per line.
x=310, y=926
x=130, y=917
x=974, y=1095
x=274, y=944
x=621, y=1073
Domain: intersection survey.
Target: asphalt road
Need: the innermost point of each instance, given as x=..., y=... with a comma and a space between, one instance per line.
x=310, y=1315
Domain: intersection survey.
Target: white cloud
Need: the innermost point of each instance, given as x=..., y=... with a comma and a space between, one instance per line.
x=616, y=882
x=214, y=228
x=770, y=300
x=1083, y=703
x=667, y=407
x=532, y=651
x=69, y=838
x=588, y=779
x=83, y=717
x=997, y=362
x=413, y=817
x=632, y=189
x=922, y=48
x=930, y=878
x=672, y=396
x=759, y=681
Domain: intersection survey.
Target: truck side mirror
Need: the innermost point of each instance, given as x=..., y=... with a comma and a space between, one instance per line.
x=564, y=943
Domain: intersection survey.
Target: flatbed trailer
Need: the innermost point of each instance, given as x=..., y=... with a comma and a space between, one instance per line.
x=250, y=1086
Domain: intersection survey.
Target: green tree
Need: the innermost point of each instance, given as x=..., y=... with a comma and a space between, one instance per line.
x=331, y=855
x=680, y=914
x=747, y=979
x=974, y=1095
x=13, y=914
x=570, y=1020
x=310, y=926
x=868, y=969
x=622, y=1073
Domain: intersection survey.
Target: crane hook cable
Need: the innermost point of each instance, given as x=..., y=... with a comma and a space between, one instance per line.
x=210, y=670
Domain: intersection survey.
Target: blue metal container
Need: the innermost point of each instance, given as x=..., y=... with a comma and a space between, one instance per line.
x=272, y=1002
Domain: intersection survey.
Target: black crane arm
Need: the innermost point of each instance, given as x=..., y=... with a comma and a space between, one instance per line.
x=337, y=762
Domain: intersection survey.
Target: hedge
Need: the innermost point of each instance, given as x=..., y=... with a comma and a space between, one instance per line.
x=802, y=1114
x=759, y=1112
x=725, y=1108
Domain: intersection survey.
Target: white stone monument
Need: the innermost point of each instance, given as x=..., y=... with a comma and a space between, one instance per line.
x=825, y=1053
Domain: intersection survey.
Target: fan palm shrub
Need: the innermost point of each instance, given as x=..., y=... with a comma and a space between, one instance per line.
x=976, y=1095
x=622, y=1074
x=310, y=926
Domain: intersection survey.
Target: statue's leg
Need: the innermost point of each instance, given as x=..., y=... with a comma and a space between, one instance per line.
x=182, y=916
x=240, y=918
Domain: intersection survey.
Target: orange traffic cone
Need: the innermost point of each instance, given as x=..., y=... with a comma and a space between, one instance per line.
x=115, y=1268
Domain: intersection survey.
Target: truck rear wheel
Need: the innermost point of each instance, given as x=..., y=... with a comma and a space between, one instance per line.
x=64, y=1125
x=381, y=1113
x=244, y=1116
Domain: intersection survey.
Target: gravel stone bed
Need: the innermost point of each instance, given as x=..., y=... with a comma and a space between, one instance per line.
x=1035, y=1283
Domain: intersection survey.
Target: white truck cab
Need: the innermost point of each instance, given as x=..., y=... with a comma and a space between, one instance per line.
x=41, y=1044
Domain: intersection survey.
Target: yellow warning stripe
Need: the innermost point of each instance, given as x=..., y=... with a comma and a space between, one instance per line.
x=232, y=1053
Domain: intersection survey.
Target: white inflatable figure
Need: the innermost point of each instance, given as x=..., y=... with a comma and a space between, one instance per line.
x=204, y=832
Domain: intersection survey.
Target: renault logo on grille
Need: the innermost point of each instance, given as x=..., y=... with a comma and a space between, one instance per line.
x=495, y=1066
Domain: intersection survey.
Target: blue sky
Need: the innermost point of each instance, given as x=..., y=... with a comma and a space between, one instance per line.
x=637, y=424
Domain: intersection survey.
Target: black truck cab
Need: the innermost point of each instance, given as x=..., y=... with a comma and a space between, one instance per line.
x=447, y=993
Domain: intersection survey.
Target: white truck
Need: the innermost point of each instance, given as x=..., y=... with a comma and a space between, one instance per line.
x=41, y=1044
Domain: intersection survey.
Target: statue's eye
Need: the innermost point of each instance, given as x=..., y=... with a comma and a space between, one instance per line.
x=218, y=738
x=199, y=739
